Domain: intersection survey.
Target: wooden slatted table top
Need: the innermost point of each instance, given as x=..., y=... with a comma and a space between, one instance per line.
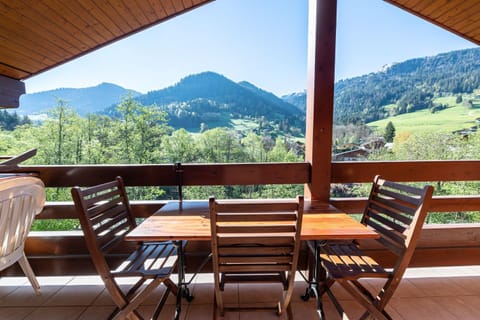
x=189, y=220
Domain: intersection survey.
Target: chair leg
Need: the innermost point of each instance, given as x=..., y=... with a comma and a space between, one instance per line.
x=364, y=301
x=161, y=303
x=287, y=296
x=138, y=299
x=216, y=311
x=171, y=285
x=27, y=269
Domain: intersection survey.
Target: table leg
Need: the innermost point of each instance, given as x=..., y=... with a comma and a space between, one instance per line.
x=183, y=290
x=317, y=280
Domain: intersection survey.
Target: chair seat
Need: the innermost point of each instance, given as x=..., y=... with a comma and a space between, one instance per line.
x=149, y=260
x=345, y=260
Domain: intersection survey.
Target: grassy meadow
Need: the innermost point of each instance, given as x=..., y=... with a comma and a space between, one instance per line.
x=455, y=117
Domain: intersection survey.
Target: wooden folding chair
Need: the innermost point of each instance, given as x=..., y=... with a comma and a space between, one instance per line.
x=255, y=241
x=397, y=212
x=105, y=215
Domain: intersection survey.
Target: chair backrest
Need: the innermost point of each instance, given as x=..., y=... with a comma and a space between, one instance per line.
x=255, y=236
x=105, y=216
x=397, y=212
x=21, y=198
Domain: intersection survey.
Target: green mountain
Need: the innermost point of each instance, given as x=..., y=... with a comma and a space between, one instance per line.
x=406, y=87
x=83, y=100
x=208, y=99
x=211, y=99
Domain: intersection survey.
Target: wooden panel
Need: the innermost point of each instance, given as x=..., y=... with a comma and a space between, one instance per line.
x=52, y=32
x=69, y=30
x=406, y=171
x=164, y=175
x=438, y=204
x=438, y=246
x=10, y=92
x=10, y=71
x=245, y=174
x=39, y=35
x=66, y=209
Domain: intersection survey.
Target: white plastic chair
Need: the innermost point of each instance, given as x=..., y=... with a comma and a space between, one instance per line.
x=21, y=198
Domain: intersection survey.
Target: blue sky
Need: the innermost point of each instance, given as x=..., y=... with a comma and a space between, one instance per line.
x=260, y=41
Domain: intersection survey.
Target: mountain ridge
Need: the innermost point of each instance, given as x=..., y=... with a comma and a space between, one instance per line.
x=397, y=88
x=83, y=100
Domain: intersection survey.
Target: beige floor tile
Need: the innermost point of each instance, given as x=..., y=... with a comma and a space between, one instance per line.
x=25, y=296
x=56, y=313
x=462, y=307
x=420, y=309
x=439, y=287
x=96, y=313
x=231, y=294
x=261, y=315
x=75, y=296
x=15, y=313
x=262, y=292
x=167, y=313
x=157, y=295
x=54, y=281
x=199, y=312
x=202, y=278
x=417, y=298
x=470, y=284
x=103, y=299
x=13, y=281
x=304, y=310
x=203, y=293
x=6, y=290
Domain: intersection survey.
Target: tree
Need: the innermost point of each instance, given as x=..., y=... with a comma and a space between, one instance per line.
x=60, y=136
x=389, y=132
x=141, y=130
x=180, y=146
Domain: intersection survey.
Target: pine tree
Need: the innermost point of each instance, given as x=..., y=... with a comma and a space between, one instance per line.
x=389, y=132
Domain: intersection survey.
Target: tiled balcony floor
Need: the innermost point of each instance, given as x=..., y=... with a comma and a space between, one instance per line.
x=434, y=293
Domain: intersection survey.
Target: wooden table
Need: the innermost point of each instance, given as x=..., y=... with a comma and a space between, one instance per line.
x=190, y=220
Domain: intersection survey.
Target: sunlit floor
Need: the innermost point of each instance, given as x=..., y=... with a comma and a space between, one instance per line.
x=433, y=293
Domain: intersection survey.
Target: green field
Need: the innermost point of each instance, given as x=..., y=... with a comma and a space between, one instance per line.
x=455, y=117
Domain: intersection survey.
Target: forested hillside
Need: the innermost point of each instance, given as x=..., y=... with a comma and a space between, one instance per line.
x=210, y=99
x=409, y=86
x=405, y=87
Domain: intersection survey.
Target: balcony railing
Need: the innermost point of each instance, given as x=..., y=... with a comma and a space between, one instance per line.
x=55, y=253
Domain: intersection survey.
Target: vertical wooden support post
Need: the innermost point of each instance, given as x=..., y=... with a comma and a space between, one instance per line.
x=322, y=23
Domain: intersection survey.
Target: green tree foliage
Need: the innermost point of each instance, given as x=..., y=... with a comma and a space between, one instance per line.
x=389, y=132
x=440, y=146
x=9, y=121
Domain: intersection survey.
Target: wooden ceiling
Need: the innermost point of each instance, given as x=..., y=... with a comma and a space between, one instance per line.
x=461, y=17
x=38, y=35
